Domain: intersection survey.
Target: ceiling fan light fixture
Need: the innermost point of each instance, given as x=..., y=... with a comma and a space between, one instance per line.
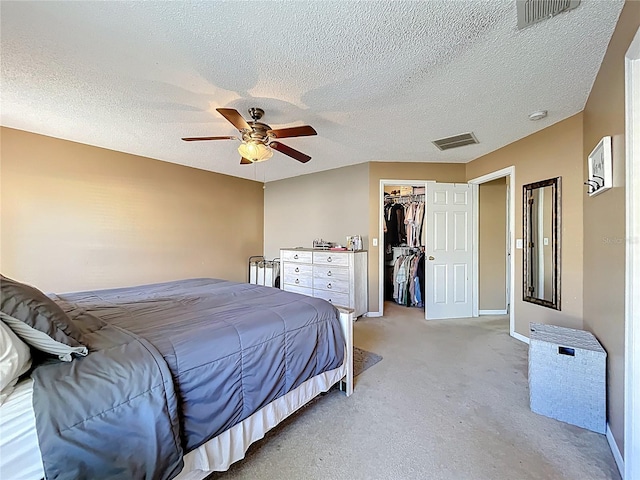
x=257, y=144
x=255, y=151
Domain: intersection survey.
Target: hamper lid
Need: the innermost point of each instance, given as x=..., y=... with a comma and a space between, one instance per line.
x=565, y=336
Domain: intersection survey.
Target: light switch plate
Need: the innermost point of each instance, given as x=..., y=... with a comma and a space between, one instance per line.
x=519, y=243
x=375, y=242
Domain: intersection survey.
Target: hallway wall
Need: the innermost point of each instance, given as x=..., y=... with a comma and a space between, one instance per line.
x=492, y=248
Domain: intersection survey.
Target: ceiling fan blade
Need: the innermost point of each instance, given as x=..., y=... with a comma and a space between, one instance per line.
x=301, y=157
x=234, y=117
x=245, y=161
x=198, y=139
x=303, y=131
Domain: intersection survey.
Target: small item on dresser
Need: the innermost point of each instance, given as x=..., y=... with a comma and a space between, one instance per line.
x=354, y=243
x=338, y=248
x=322, y=244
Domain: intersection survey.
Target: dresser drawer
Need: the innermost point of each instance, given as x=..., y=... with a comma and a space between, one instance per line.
x=330, y=285
x=298, y=280
x=297, y=270
x=341, y=299
x=331, y=258
x=331, y=272
x=294, y=289
x=334, y=279
x=296, y=256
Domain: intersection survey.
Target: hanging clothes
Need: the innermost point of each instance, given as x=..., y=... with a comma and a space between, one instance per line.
x=408, y=287
x=414, y=219
x=403, y=217
x=397, y=213
x=403, y=220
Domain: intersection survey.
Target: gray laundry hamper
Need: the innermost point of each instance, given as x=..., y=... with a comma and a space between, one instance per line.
x=567, y=376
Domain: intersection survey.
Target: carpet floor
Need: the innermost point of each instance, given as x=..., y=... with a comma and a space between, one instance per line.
x=448, y=402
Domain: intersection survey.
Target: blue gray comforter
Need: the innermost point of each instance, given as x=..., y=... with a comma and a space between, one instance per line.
x=170, y=366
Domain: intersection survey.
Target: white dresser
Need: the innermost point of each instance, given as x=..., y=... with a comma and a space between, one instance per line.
x=339, y=277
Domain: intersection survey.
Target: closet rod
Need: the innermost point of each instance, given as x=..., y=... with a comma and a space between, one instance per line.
x=406, y=198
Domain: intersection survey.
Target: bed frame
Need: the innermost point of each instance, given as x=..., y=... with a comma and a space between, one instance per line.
x=346, y=322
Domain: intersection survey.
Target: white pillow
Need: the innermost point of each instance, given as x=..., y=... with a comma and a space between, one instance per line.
x=15, y=359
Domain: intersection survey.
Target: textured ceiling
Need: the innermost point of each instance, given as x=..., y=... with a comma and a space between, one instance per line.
x=377, y=80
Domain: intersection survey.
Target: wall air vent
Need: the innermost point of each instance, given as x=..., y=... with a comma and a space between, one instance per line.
x=534, y=11
x=456, y=141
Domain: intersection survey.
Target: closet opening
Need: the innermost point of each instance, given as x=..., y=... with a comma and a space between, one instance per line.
x=402, y=240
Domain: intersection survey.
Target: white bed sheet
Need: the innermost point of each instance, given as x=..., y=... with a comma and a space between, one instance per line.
x=20, y=456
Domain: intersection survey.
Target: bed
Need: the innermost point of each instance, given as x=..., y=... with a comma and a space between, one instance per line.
x=176, y=380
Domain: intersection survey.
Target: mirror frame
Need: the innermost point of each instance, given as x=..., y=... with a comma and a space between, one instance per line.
x=556, y=226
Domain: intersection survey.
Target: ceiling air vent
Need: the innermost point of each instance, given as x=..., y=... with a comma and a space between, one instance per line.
x=534, y=11
x=456, y=141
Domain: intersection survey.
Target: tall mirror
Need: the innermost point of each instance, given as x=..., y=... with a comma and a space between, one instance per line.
x=542, y=212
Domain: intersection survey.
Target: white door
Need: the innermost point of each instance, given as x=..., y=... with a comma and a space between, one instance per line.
x=448, y=251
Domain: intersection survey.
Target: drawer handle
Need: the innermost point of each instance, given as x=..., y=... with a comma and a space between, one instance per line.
x=297, y=280
x=329, y=285
x=295, y=256
x=329, y=273
x=297, y=270
x=328, y=259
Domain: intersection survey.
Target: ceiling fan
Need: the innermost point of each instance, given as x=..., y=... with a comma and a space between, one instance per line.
x=257, y=137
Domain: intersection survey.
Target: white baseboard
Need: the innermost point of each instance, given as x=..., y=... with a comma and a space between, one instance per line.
x=616, y=451
x=492, y=312
x=373, y=314
x=522, y=338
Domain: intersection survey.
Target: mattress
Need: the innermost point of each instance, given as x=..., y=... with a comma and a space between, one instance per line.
x=253, y=343
x=19, y=452
x=20, y=457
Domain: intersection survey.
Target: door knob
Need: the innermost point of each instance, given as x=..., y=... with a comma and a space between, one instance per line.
x=431, y=258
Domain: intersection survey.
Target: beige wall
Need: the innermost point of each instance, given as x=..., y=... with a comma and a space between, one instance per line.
x=604, y=217
x=492, y=247
x=440, y=172
x=555, y=151
x=328, y=205
x=77, y=217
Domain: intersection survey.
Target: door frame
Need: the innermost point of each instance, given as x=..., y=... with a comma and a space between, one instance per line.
x=632, y=273
x=510, y=173
x=384, y=182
